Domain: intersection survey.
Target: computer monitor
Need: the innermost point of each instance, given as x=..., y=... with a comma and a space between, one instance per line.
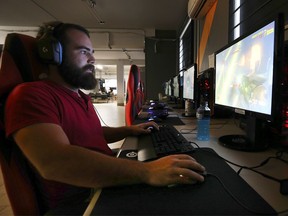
x=168, y=89
x=189, y=82
x=181, y=88
x=181, y=78
x=175, y=85
x=246, y=80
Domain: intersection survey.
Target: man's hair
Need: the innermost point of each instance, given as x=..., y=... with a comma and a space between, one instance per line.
x=58, y=30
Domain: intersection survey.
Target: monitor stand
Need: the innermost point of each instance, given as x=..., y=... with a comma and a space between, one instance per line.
x=253, y=140
x=190, y=114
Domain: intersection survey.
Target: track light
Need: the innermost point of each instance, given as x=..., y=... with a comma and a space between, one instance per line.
x=91, y=5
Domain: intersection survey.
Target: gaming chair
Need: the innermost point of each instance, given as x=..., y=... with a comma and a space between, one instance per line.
x=135, y=95
x=19, y=63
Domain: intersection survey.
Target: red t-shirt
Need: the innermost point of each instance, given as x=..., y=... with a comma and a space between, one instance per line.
x=47, y=102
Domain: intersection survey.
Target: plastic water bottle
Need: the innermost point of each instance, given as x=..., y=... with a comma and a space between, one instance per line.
x=203, y=122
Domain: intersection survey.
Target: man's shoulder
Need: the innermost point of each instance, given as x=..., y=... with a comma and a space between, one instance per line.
x=31, y=88
x=35, y=85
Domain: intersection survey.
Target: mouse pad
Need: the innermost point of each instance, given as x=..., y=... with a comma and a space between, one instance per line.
x=207, y=198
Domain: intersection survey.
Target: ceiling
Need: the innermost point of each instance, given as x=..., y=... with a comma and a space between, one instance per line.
x=119, y=14
x=118, y=27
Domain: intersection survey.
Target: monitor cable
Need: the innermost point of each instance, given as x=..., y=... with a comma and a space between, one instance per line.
x=235, y=198
x=98, y=114
x=283, y=182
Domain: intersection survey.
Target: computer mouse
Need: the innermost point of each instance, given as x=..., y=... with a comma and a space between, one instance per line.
x=204, y=174
x=151, y=128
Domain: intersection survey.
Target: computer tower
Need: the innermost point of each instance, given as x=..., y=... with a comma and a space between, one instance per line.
x=205, y=86
x=279, y=125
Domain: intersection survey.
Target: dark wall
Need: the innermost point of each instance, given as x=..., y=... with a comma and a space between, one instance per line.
x=254, y=13
x=160, y=62
x=218, y=36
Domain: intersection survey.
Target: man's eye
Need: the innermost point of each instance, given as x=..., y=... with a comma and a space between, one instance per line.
x=84, y=52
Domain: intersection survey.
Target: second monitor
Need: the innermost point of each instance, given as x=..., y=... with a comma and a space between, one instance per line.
x=190, y=90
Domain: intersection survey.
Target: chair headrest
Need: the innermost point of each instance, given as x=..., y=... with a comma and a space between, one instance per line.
x=20, y=62
x=9, y=74
x=134, y=78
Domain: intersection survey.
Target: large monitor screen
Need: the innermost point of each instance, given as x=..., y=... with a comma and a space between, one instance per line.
x=189, y=77
x=168, y=90
x=244, y=72
x=181, y=78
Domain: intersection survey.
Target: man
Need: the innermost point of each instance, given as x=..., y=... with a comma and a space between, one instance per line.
x=55, y=126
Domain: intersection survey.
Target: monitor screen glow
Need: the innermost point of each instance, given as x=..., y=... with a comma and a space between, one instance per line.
x=175, y=86
x=244, y=72
x=168, y=91
x=188, y=83
x=181, y=78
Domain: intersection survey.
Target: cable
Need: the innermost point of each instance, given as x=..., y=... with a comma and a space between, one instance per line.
x=283, y=182
x=187, y=131
x=235, y=198
x=278, y=157
x=221, y=125
x=100, y=116
x=191, y=142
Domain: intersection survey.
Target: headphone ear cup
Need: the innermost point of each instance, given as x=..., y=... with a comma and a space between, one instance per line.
x=50, y=50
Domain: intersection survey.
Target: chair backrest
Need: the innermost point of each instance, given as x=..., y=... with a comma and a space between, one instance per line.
x=19, y=63
x=134, y=97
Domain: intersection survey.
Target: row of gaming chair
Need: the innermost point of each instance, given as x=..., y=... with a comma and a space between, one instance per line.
x=134, y=95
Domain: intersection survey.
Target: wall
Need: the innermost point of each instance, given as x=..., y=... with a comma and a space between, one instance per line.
x=218, y=36
x=160, y=61
x=161, y=55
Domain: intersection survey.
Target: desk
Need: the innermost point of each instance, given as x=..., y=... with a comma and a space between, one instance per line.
x=267, y=189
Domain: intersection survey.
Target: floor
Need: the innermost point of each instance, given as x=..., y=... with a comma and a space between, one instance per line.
x=5, y=208
x=110, y=114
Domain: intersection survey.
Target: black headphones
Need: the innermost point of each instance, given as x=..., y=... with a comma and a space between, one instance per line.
x=49, y=48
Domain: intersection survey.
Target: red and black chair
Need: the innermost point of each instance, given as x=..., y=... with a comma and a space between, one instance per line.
x=19, y=63
x=135, y=95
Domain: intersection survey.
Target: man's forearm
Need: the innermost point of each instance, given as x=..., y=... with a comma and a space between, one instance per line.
x=86, y=168
x=115, y=134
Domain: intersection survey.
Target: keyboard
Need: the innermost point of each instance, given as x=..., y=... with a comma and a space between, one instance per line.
x=168, y=141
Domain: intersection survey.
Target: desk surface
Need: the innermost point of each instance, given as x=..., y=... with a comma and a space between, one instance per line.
x=266, y=188
x=269, y=190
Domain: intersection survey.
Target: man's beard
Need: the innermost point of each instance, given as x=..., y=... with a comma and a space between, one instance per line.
x=78, y=77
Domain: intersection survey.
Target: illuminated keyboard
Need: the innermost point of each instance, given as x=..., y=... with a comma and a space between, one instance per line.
x=168, y=141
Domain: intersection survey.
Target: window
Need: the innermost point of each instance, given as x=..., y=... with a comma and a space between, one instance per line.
x=186, y=47
x=244, y=15
x=237, y=9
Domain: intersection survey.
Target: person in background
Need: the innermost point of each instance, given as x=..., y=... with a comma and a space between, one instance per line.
x=56, y=127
